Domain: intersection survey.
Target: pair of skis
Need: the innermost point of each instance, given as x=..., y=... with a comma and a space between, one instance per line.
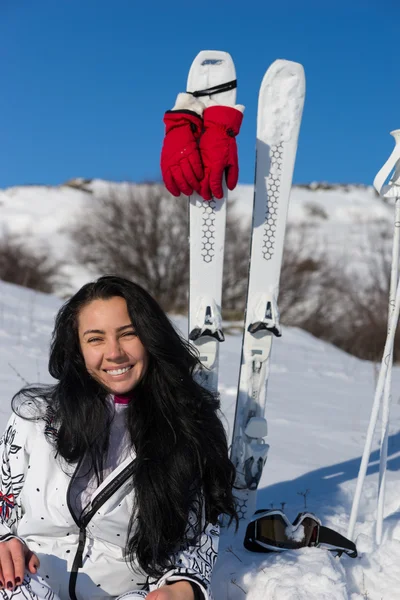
x=280, y=108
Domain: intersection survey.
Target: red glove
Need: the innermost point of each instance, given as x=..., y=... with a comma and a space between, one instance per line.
x=181, y=165
x=218, y=149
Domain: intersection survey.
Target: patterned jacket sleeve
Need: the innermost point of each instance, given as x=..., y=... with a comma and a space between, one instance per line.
x=195, y=563
x=13, y=468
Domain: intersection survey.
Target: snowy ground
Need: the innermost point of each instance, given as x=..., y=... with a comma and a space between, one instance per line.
x=318, y=410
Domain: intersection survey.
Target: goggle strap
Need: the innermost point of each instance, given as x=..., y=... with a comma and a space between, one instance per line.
x=333, y=538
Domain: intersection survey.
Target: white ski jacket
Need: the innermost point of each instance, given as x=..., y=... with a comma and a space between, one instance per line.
x=82, y=554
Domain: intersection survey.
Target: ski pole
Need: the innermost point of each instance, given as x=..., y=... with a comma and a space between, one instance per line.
x=374, y=413
x=392, y=190
x=388, y=383
x=387, y=353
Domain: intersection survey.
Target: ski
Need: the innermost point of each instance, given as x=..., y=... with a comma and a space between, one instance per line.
x=280, y=108
x=212, y=76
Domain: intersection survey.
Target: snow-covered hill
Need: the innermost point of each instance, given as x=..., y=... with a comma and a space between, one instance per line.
x=319, y=400
x=337, y=218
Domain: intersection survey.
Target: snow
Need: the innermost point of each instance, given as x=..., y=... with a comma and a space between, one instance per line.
x=295, y=533
x=319, y=400
x=284, y=88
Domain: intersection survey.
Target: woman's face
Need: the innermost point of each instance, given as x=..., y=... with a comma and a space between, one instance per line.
x=112, y=352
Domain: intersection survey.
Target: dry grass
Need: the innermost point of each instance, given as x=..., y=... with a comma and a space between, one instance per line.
x=28, y=266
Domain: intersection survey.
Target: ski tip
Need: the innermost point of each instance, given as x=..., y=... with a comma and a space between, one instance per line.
x=286, y=67
x=213, y=68
x=280, y=103
x=209, y=57
x=287, y=73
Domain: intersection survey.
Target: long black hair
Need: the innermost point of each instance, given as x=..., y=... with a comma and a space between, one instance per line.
x=181, y=463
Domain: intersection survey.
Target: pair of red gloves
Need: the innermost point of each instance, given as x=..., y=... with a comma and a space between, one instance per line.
x=200, y=147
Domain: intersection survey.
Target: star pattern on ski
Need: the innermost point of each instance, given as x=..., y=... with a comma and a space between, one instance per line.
x=208, y=230
x=271, y=212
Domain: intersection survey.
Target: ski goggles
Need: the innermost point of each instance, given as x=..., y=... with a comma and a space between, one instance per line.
x=271, y=531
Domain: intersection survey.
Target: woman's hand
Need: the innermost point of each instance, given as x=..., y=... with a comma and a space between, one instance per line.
x=15, y=559
x=181, y=590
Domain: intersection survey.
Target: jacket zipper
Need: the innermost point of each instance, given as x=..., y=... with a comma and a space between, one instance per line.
x=83, y=521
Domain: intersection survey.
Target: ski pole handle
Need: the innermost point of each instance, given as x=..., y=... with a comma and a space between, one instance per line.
x=393, y=162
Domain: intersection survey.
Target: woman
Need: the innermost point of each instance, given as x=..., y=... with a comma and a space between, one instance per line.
x=113, y=478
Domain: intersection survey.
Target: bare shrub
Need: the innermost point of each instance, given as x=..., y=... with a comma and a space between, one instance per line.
x=364, y=294
x=300, y=277
x=29, y=267
x=236, y=265
x=345, y=306
x=141, y=233
x=315, y=211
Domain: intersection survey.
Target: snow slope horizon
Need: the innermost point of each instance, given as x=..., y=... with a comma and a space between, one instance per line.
x=319, y=400
x=336, y=218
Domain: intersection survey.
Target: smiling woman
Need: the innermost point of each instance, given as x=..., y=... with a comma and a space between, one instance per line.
x=113, y=479
x=112, y=351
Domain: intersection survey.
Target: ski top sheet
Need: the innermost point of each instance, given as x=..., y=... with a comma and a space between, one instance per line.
x=210, y=71
x=280, y=108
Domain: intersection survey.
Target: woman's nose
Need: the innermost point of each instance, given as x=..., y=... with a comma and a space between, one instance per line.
x=114, y=350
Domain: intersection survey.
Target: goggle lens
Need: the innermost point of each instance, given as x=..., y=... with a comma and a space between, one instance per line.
x=311, y=531
x=274, y=531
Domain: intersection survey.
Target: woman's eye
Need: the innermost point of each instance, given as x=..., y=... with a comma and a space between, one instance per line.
x=94, y=340
x=129, y=333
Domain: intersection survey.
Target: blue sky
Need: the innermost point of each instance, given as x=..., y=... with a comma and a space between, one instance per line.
x=84, y=83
